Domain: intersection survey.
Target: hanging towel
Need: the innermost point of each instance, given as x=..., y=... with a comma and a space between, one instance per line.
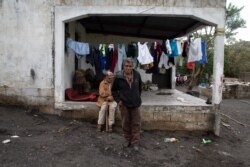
x=79, y=48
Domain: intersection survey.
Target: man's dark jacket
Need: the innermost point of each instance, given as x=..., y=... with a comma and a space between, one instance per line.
x=121, y=91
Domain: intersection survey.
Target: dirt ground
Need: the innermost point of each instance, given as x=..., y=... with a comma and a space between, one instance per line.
x=46, y=140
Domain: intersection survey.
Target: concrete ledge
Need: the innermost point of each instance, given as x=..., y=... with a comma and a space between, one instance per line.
x=188, y=118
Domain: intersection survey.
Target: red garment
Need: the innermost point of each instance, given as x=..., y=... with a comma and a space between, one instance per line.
x=114, y=60
x=190, y=65
x=73, y=95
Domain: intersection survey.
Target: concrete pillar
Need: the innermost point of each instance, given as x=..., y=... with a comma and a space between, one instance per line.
x=173, y=74
x=218, y=75
x=218, y=66
x=59, y=60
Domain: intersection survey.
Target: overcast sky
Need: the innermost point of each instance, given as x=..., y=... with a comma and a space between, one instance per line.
x=243, y=33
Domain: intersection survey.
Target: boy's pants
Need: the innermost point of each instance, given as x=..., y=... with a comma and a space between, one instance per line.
x=111, y=107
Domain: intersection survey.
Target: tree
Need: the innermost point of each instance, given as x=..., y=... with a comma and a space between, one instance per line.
x=237, y=58
x=233, y=22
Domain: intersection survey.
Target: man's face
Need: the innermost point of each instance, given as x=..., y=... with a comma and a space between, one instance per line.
x=128, y=68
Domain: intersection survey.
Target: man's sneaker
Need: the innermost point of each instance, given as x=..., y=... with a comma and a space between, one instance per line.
x=126, y=144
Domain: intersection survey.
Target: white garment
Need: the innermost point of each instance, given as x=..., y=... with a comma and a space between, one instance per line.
x=168, y=46
x=164, y=62
x=144, y=56
x=179, y=47
x=180, y=61
x=195, y=52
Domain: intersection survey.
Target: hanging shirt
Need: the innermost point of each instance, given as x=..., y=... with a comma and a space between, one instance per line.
x=204, y=53
x=144, y=56
x=195, y=53
x=174, y=48
x=103, y=55
x=79, y=48
x=121, y=55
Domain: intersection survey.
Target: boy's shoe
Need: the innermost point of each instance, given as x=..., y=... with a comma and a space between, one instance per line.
x=110, y=129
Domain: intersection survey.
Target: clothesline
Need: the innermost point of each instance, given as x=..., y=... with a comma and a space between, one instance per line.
x=150, y=59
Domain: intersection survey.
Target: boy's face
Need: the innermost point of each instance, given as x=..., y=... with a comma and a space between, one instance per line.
x=109, y=78
x=128, y=68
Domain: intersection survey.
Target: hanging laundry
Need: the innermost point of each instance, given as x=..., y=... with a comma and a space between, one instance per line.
x=109, y=57
x=156, y=51
x=174, y=48
x=195, y=53
x=144, y=56
x=190, y=65
x=185, y=49
x=166, y=48
x=204, y=53
x=79, y=48
x=103, y=54
x=179, y=46
x=180, y=61
x=95, y=60
x=111, y=46
x=164, y=61
x=121, y=55
x=114, y=60
x=132, y=50
x=171, y=61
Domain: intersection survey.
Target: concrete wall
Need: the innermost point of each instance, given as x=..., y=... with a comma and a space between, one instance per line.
x=188, y=118
x=168, y=3
x=26, y=47
x=236, y=91
x=245, y=76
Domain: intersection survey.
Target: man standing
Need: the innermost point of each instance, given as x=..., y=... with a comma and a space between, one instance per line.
x=126, y=91
x=105, y=100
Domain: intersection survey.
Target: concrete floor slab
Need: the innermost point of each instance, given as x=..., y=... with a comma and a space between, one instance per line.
x=171, y=97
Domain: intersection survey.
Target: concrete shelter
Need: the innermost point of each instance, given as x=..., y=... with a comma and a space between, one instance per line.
x=35, y=69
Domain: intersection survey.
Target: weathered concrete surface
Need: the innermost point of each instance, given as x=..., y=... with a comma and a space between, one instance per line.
x=162, y=112
x=169, y=3
x=236, y=90
x=26, y=46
